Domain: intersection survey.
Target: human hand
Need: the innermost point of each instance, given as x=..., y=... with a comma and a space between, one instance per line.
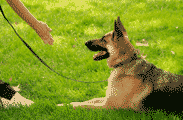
x=43, y=30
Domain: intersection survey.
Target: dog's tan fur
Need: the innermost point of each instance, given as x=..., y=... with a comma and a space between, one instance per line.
x=133, y=79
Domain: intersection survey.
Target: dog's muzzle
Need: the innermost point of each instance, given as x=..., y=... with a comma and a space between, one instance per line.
x=94, y=47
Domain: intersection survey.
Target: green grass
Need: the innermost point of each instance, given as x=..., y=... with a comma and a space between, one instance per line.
x=159, y=23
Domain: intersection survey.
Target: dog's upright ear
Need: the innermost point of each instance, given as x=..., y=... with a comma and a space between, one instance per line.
x=119, y=28
x=120, y=49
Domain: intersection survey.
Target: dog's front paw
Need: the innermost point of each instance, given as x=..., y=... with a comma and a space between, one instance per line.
x=60, y=104
x=67, y=104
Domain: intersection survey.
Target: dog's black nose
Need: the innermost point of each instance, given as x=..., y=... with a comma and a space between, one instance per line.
x=88, y=43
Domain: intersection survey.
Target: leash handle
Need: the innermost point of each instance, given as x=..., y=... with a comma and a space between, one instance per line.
x=37, y=55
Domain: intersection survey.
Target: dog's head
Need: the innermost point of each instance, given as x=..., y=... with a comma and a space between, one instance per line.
x=114, y=46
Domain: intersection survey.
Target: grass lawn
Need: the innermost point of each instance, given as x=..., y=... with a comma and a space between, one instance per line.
x=73, y=23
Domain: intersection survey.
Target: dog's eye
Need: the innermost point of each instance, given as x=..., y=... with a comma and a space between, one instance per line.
x=103, y=40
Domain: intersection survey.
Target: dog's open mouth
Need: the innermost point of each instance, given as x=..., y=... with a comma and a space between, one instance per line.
x=103, y=54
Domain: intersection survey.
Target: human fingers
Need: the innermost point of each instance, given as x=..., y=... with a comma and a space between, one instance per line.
x=49, y=29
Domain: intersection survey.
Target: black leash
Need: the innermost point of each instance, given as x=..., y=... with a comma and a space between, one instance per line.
x=38, y=56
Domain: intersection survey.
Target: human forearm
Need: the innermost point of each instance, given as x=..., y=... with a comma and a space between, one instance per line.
x=23, y=12
x=40, y=27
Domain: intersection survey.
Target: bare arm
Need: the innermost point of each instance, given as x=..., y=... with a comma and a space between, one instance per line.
x=23, y=12
x=40, y=27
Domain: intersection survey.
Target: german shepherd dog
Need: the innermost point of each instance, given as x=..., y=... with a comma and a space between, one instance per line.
x=134, y=83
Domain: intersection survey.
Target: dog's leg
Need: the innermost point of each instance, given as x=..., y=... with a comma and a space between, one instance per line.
x=95, y=100
x=94, y=103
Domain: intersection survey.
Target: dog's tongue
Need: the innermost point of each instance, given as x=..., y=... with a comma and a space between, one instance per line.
x=101, y=55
